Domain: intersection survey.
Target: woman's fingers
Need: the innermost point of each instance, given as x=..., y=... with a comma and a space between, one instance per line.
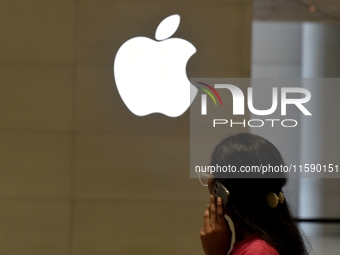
x=213, y=217
x=213, y=211
x=220, y=213
x=206, y=220
x=215, y=235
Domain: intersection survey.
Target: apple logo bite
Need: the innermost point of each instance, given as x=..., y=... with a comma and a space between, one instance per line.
x=151, y=75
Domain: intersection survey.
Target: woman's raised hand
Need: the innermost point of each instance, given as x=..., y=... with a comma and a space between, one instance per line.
x=215, y=233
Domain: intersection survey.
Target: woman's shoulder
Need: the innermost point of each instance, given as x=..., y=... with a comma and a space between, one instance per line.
x=253, y=245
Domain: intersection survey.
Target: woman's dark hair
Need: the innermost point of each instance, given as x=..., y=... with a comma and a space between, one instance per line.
x=247, y=199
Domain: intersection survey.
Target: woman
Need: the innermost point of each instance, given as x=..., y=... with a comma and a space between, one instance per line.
x=262, y=220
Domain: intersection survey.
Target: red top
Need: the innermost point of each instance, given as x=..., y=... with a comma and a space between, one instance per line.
x=253, y=245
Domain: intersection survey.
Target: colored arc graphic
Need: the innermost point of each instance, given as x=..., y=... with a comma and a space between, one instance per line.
x=209, y=93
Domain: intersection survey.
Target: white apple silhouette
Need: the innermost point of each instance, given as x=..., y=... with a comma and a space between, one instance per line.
x=151, y=75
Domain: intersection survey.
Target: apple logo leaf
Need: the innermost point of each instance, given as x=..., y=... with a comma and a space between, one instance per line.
x=167, y=27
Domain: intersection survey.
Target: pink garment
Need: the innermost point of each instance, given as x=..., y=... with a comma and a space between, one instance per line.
x=253, y=245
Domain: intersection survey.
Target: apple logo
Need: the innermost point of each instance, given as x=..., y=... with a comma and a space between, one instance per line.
x=151, y=75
